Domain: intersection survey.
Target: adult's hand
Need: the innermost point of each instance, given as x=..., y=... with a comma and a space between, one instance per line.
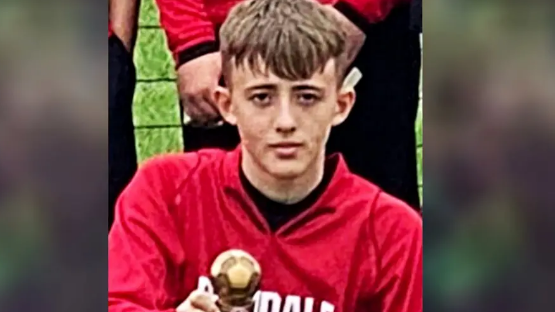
x=196, y=81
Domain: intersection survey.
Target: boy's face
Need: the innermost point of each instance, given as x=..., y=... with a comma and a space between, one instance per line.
x=284, y=125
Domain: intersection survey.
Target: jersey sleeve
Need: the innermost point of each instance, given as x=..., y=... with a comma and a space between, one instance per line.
x=189, y=31
x=144, y=253
x=362, y=12
x=397, y=231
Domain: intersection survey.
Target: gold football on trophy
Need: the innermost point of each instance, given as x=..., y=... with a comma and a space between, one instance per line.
x=235, y=275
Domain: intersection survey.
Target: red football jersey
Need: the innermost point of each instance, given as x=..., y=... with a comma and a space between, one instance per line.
x=356, y=249
x=192, y=24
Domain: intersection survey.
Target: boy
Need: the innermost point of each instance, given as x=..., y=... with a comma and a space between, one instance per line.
x=326, y=239
x=377, y=140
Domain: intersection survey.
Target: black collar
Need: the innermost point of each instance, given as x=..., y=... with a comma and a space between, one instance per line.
x=277, y=214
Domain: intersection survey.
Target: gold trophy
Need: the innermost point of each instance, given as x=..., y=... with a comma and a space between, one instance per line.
x=235, y=275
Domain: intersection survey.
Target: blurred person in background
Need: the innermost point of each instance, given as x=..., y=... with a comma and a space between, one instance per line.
x=490, y=144
x=122, y=33
x=52, y=158
x=378, y=139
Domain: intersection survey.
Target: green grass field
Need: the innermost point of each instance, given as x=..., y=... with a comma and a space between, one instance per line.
x=156, y=110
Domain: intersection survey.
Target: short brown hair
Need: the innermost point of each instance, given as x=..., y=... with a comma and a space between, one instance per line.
x=293, y=38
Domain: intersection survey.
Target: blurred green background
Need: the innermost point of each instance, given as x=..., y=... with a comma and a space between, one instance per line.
x=156, y=109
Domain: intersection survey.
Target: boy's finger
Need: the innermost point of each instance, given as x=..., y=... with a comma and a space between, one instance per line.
x=203, y=301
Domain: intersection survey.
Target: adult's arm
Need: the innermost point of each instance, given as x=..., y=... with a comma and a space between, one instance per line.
x=367, y=11
x=124, y=15
x=189, y=31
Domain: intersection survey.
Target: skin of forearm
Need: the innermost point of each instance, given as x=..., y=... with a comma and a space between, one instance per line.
x=124, y=19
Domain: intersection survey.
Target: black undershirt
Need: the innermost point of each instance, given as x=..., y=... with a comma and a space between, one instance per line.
x=278, y=214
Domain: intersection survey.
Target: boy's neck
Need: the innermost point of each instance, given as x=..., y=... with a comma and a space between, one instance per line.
x=286, y=191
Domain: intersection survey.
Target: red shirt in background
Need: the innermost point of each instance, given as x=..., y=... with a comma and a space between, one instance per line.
x=190, y=25
x=356, y=249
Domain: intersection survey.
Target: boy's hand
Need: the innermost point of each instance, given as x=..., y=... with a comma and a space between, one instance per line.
x=198, y=301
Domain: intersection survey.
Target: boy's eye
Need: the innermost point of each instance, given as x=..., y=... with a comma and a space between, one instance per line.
x=307, y=98
x=261, y=98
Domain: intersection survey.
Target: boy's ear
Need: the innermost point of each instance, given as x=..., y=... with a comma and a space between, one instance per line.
x=222, y=96
x=345, y=101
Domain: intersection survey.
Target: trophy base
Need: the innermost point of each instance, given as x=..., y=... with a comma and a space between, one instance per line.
x=229, y=308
